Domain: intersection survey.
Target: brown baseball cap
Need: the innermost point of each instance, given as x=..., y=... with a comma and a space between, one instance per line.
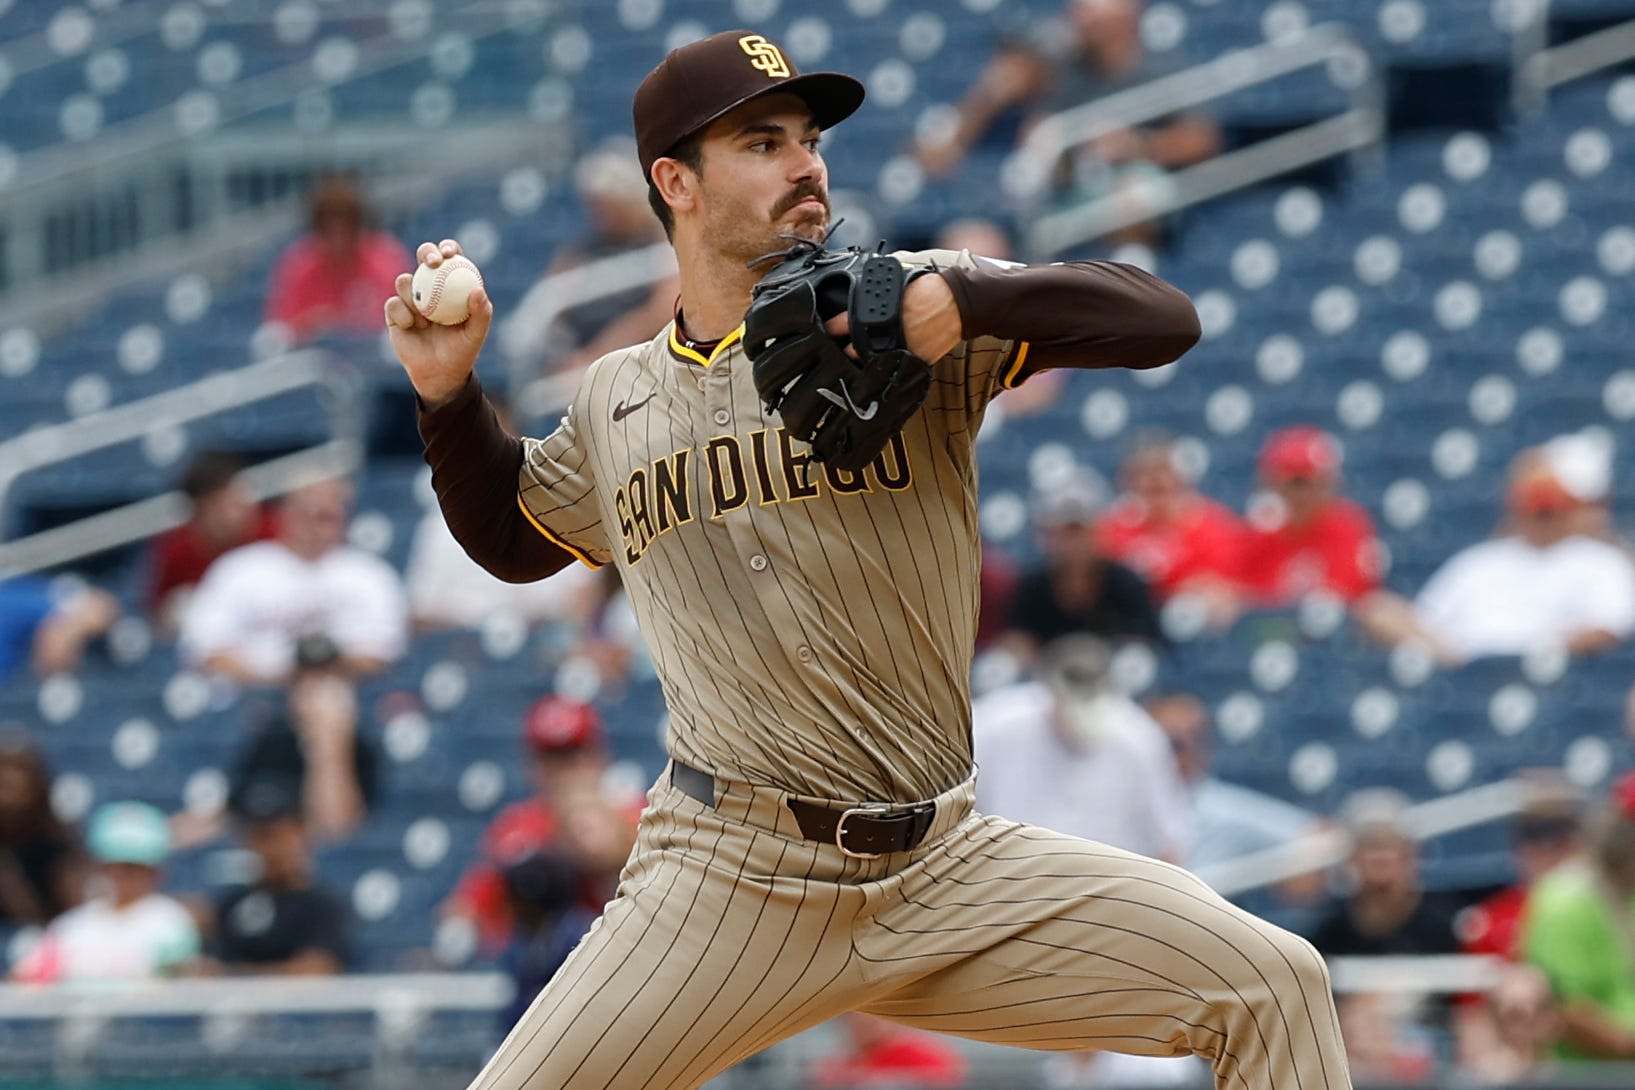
x=697, y=83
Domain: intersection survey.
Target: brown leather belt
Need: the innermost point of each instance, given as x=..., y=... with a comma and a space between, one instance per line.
x=864, y=832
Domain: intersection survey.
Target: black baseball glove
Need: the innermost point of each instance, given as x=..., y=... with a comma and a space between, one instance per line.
x=847, y=409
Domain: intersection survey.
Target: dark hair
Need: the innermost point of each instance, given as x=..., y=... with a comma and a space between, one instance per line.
x=209, y=472
x=39, y=820
x=690, y=153
x=336, y=195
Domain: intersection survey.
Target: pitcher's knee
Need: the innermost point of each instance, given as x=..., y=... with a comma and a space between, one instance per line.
x=1294, y=975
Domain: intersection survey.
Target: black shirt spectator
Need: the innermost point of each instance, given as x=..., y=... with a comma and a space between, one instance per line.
x=1122, y=606
x=258, y=927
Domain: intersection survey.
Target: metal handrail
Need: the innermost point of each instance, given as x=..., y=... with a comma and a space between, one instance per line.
x=204, y=397
x=1548, y=68
x=524, y=335
x=1029, y=170
x=1327, y=847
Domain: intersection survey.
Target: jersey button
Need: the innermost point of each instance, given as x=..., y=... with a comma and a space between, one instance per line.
x=803, y=653
x=701, y=383
x=722, y=416
x=758, y=562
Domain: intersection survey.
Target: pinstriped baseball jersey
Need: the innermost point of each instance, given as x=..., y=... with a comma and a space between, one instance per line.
x=812, y=628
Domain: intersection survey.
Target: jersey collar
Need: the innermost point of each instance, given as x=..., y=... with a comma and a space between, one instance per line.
x=680, y=349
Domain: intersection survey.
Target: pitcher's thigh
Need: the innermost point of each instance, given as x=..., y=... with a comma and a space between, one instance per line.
x=1069, y=944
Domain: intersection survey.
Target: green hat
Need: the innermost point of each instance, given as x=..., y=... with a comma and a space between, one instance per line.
x=129, y=832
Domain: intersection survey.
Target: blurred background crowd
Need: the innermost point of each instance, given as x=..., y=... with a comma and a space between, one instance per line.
x=1337, y=611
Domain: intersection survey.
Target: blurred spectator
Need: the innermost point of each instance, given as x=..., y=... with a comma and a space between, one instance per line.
x=1077, y=590
x=259, y=599
x=283, y=923
x=1093, y=50
x=1579, y=929
x=1526, y=1027
x=545, y=888
x=1540, y=584
x=46, y=625
x=1303, y=536
x=447, y=589
x=986, y=238
x=42, y=863
x=315, y=748
x=127, y=930
x=1165, y=529
x=1074, y=754
x=613, y=195
x=1231, y=821
x=1546, y=832
x=1498, y=1034
x=569, y=762
x=1387, y=910
x=335, y=278
x=875, y=1054
x=1582, y=462
x=223, y=516
x=1384, y=1040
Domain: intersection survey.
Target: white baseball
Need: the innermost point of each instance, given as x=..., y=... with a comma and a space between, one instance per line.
x=443, y=294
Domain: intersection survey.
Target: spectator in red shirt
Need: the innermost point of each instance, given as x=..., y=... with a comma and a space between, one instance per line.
x=1303, y=535
x=333, y=279
x=569, y=759
x=1548, y=830
x=1163, y=527
x=223, y=517
x=877, y=1053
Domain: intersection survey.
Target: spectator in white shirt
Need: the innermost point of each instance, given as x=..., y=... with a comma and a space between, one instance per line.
x=258, y=600
x=448, y=589
x=1541, y=584
x=128, y=930
x=1074, y=754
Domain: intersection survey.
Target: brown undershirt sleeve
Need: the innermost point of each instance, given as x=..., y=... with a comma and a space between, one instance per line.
x=1077, y=314
x=474, y=467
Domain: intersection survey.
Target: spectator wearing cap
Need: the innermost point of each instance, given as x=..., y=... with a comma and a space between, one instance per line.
x=1503, y=1029
x=1303, y=535
x=127, y=930
x=1077, y=589
x=42, y=862
x=612, y=192
x=1074, y=753
x=1579, y=928
x=222, y=516
x=568, y=758
x=1540, y=584
x=258, y=600
x=332, y=279
x=1545, y=833
x=1175, y=537
x=1387, y=910
x=283, y=923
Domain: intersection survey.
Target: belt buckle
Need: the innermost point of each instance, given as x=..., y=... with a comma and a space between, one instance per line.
x=871, y=809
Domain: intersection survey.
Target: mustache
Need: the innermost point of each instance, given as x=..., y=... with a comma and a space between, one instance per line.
x=798, y=194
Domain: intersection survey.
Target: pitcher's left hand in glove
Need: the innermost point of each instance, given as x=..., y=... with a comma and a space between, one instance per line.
x=847, y=409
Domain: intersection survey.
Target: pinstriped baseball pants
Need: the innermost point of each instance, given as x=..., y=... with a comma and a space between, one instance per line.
x=730, y=932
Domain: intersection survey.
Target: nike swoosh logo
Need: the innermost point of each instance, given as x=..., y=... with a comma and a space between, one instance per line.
x=621, y=410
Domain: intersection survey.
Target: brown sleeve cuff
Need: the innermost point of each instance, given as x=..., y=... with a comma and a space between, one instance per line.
x=1076, y=314
x=475, y=464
